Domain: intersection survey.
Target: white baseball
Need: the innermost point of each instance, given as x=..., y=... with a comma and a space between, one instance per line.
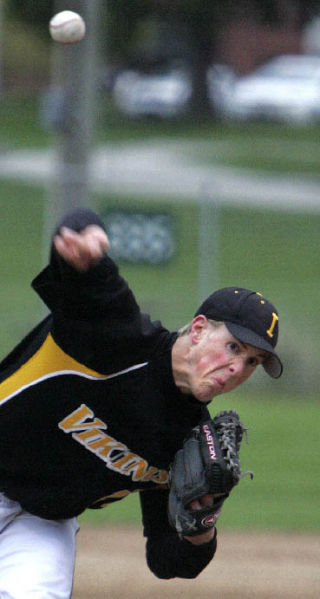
x=67, y=27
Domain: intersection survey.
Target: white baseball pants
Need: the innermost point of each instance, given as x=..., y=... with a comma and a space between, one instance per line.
x=36, y=555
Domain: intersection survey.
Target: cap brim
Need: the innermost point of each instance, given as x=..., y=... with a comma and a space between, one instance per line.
x=272, y=365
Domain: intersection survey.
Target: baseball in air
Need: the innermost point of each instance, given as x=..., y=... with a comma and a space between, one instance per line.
x=67, y=27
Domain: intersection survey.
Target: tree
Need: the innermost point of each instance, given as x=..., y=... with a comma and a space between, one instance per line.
x=36, y=14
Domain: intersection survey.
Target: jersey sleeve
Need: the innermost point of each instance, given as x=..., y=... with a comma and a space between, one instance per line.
x=167, y=555
x=90, y=295
x=94, y=310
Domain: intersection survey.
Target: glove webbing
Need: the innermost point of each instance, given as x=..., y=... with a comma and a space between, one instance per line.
x=230, y=431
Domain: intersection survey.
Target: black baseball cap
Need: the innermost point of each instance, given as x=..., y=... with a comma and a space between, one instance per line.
x=249, y=317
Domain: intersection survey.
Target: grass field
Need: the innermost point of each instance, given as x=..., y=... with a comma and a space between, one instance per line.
x=273, y=252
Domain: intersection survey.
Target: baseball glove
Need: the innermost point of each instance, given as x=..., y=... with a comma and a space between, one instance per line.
x=208, y=463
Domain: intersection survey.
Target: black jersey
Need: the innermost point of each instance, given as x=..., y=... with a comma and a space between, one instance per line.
x=89, y=411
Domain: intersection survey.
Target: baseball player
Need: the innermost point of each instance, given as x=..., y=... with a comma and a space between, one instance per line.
x=95, y=403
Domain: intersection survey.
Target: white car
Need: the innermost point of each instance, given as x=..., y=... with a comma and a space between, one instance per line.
x=286, y=88
x=163, y=94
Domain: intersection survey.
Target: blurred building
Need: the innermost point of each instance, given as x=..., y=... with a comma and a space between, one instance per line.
x=247, y=44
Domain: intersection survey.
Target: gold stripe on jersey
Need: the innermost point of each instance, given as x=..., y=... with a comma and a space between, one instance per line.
x=47, y=362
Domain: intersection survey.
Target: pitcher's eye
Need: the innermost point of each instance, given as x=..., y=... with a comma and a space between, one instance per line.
x=253, y=361
x=234, y=347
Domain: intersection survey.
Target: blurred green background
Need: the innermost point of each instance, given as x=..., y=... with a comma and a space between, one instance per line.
x=271, y=250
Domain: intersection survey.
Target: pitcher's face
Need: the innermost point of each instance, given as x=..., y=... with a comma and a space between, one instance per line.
x=218, y=362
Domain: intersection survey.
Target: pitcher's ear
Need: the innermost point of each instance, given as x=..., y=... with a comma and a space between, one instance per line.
x=198, y=325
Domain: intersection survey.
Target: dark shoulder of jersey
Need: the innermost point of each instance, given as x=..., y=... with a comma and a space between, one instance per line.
x=26, y=348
